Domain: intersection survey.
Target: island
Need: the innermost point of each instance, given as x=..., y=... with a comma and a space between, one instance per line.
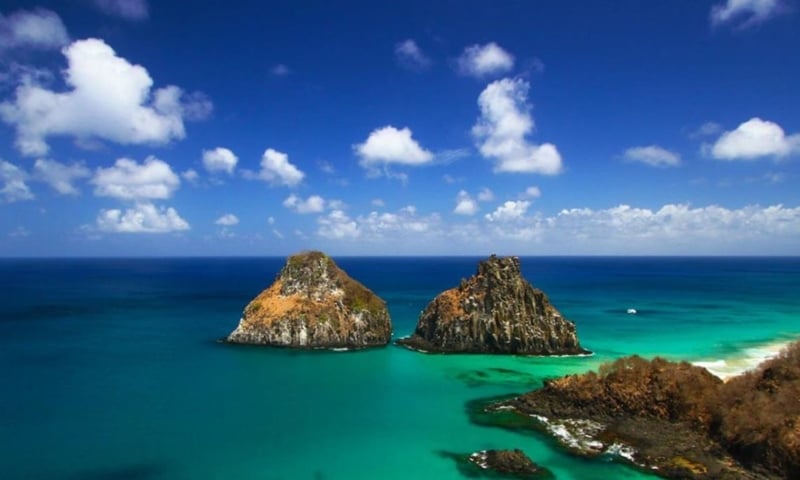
x=673, y=419
x=494, y=311
x=314, y=304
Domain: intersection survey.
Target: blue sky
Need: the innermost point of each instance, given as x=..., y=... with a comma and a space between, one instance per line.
x=135, y=128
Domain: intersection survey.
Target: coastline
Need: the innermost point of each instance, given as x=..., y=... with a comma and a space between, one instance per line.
x=745, y=360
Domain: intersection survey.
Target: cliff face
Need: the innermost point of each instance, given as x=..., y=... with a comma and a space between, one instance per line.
x=494, y=311
x=314, y=304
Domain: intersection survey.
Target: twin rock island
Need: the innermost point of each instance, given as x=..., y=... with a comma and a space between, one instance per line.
x=671, y=419
x=314, y=304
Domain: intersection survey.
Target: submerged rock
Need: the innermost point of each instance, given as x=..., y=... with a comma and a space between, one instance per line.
x=494, y=311
x=314, y=304
x=513, y=463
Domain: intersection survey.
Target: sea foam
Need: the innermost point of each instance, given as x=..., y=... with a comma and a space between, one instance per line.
x=748, y=359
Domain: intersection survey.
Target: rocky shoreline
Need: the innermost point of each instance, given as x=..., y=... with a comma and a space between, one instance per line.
x=672, y=419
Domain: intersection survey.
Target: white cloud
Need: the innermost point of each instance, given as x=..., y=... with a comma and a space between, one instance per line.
x=337, y=225
x=377, y=202
x=389, y=145
x=277, y=234
x=220, y=159
x=410, y=56
x=109, y=99
x=501, y=129
x=706, y=130
x=754, y=139
x=326, y=167
x=38, y=28
x=13, y=180
x=485, y=195
x=653, y=155
x=127, y=9
x=465, y=205
x=746, y=12
x=129, y=180
x=271, y=220
x=313, y=204
x=227, y=220
x=508, y=211
x=533, y=192
x=19, y=232
x=61, y=176
x=142, y=218
x=277, y=170
x=280, y=70
x=483, y=60
x=190, y=175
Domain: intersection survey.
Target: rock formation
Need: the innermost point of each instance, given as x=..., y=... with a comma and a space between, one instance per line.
x=511, y=463
x=314, y=304
x=673, y=419
x=494, y=311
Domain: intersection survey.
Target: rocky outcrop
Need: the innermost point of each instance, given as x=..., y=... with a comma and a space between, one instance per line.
x=511, y=463
x=314, y=304
x=673, y=419
x=494, y=311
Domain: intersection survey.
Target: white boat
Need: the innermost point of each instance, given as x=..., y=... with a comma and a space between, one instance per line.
x=632, y=311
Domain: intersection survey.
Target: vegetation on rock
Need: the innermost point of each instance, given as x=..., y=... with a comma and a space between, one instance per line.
x=494, y=311
x=314, y=304
x=682, y=420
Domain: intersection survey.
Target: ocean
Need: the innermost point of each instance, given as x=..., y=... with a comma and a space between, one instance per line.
x=113, y=369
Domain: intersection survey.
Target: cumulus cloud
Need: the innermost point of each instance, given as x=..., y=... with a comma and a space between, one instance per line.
x=108, y=98
x=277, y=170
x=40, y=28
x=410, y=56
x=465, y=205
x=190, y=175
x=483, y=60
x=675, y=226
x=533, y=192
x=61, y=176
x=744, y=13
x=389, y=145
x=142, y=218
x=706, y=130
x=753, y=139
x=313, y=204
x=129, y=180
x=503, y=126
x=220, y=159
x=14, y=187
x=227, y=220
x=509, y=211
x=127, y=9
x=485, y=195
x=653, y=155
x=337, y=225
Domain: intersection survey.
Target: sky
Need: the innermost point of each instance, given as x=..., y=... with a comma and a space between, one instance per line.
x=210, y=128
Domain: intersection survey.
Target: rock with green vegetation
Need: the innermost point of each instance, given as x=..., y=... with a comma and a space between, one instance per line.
x=314, y=304
x=494, y=311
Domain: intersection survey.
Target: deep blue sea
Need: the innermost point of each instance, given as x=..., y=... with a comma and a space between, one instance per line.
x=112, y=369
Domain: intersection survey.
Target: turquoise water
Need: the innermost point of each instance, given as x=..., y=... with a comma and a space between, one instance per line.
x=112, y=369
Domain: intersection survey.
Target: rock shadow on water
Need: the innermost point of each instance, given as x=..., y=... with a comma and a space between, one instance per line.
x=497, y=376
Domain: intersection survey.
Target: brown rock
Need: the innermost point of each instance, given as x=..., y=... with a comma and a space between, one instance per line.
x=314, y=304
x=494, y=311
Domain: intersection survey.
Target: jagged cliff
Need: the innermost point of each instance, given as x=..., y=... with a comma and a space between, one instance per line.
x=494, y=311
x=314, y=304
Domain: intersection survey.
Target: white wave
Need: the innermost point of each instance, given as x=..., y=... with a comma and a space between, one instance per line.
x=748, y=359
